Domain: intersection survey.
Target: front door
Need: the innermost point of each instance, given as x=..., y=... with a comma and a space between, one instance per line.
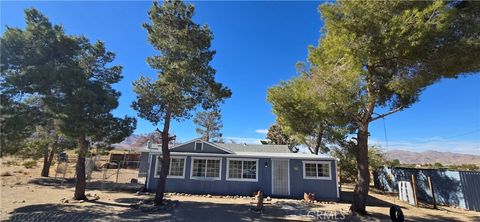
x=280, y=177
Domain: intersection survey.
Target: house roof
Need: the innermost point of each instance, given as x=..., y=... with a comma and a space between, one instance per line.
x=250, y=151
x=255, y=148
x=303, y=156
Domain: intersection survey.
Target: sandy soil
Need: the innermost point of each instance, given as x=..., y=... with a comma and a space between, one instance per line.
x=27, y=197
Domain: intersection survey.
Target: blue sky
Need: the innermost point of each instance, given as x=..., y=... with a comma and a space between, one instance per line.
x=258, y=44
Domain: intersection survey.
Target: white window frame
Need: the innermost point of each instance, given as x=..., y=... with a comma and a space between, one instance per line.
x=205, y=178
x=157, y=164
x=317, y=177
x=195, y=147
x=241, y=179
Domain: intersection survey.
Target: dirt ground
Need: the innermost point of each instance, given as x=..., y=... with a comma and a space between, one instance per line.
x=27, y=197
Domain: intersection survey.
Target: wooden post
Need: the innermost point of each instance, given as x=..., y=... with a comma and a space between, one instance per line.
x=430, y=184
x=118, y=171
x=414, y=186
x=259, y=206
x=65, y=171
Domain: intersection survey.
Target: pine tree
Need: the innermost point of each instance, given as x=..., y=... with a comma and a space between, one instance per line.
x=185, y=78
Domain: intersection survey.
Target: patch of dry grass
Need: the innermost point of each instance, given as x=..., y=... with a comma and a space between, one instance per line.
x=29, y=164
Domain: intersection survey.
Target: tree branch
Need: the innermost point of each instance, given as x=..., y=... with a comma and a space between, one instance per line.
x=386, y=114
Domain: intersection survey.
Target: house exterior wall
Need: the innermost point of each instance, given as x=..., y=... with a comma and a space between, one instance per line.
x=323, y=189
x=143, y=164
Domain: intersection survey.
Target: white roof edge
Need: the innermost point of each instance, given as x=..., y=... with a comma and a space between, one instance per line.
x=203, y=141
x=219, y=147
x=180, y=144
x=257, y=155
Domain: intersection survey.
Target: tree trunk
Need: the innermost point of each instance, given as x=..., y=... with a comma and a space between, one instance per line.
x=319, y=139
x=47, y=162
x=80, y=169
x=165, y=161
x=45, y=168
x=363, y=176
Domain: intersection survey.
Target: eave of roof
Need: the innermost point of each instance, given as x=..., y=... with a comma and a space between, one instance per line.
x=254, y=155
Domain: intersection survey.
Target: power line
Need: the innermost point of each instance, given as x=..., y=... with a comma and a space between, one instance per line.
x=442, y=138
x=385, y=132
x=463, y=134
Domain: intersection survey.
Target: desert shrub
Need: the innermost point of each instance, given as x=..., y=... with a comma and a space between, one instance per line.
x=10, y=163
x=6, y=174
x=30, y=164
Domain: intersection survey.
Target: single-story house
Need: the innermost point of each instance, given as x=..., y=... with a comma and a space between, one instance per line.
x=201, y=167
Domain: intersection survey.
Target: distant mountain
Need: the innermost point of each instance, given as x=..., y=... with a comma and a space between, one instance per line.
x=430, y=156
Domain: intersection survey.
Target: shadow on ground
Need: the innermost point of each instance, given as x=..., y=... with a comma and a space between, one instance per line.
x=120, y=209
x=185, y=211
x=93, y=185
x=347, y=197
x=59, y=212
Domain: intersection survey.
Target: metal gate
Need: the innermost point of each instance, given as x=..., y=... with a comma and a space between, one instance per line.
x=280, y=177
x=471, y=189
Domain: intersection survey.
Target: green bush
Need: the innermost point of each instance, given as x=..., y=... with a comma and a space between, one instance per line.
x=30, y=164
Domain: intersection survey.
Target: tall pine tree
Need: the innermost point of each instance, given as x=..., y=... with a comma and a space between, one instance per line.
x=72, y=76
x=185, y=78
x=375, y=59
x=208, y=125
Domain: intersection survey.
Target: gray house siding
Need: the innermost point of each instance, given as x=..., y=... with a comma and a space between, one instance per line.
x=190, y=148
x=323, y=189
x=143, y=164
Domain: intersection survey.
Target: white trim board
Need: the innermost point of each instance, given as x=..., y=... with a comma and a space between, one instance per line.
x=205, y=178
x=219, y=147
x=195, y=145
x=156, y=175
x=149, y=169
x=241, y=179
x=256, y=155
x=195, y=141
x=337, y=178
x=329, y=163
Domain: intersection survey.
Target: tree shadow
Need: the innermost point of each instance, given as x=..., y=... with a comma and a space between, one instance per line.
x=130, y=200
x=437, y=217
x=208, y=211
x=347, y=197
x=106, y=186
x=59, y=212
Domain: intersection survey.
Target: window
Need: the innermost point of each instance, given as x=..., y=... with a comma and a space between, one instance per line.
x=316, y=170
x=177, y=167
x=206, y=168
x=198, y=146
x=242, y=169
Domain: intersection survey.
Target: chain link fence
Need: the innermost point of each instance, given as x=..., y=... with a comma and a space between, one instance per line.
x=104, y=170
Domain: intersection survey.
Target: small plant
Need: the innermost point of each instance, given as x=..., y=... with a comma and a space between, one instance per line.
x=10, y=163
x=6, y=174
x=30, y=164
